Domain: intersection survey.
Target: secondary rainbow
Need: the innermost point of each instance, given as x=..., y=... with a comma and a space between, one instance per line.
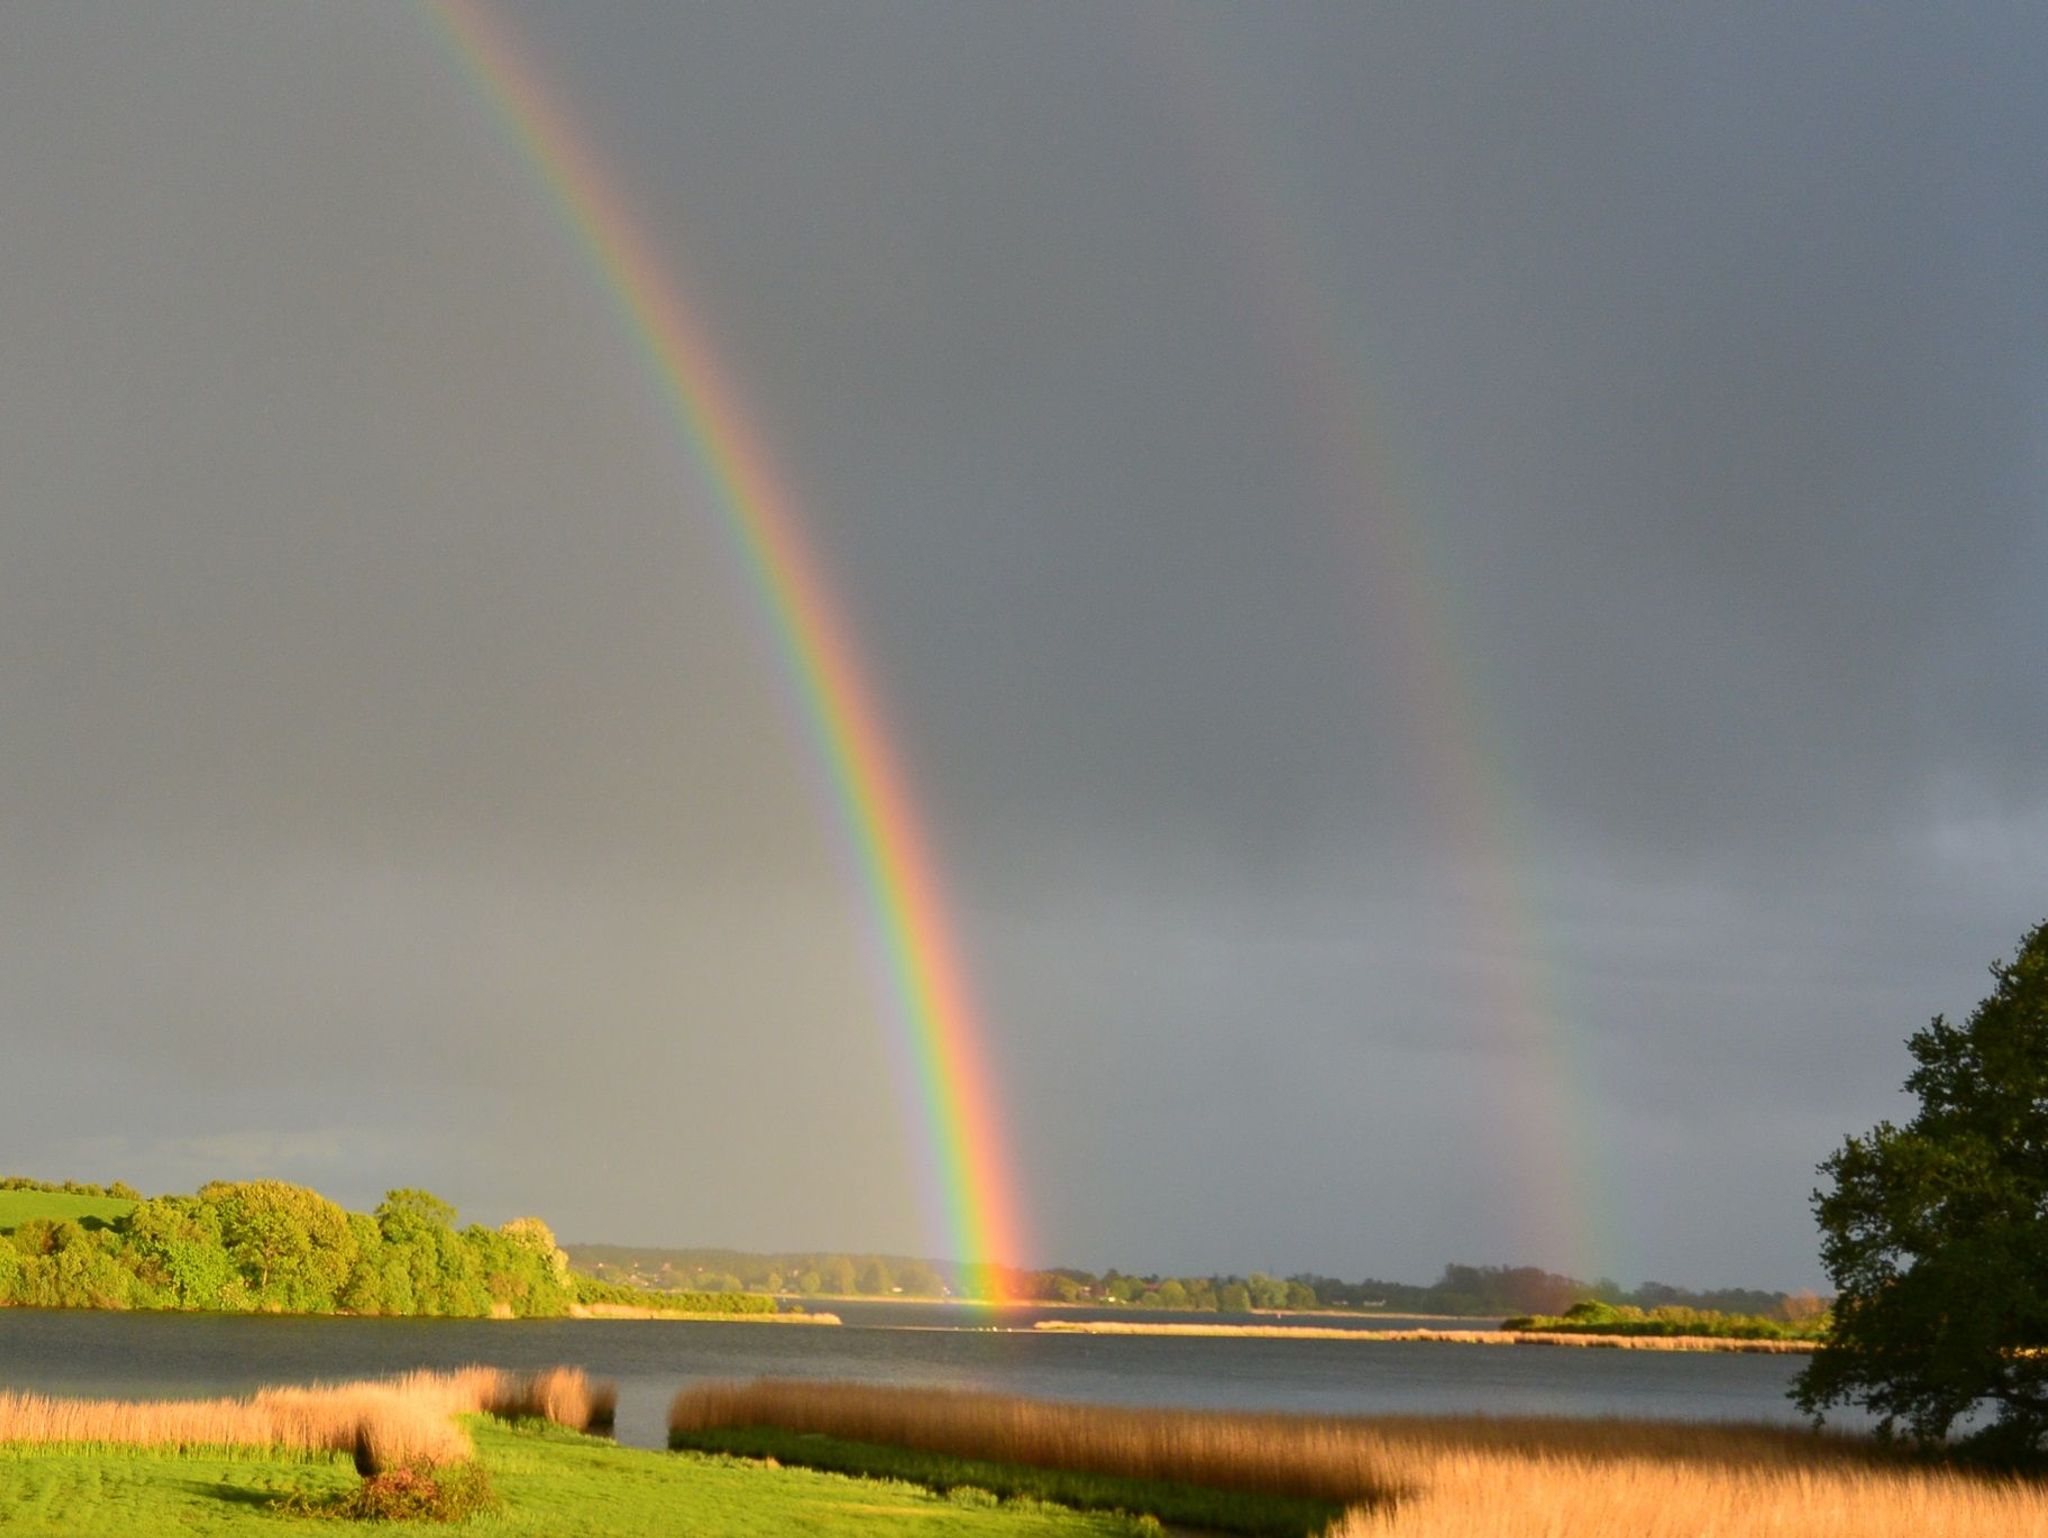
x=930, y=998
x=1419, y=635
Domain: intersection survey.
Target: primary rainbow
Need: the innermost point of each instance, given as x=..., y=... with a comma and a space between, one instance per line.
x=871, y=797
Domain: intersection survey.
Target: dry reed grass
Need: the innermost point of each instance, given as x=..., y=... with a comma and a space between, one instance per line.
x=383, y=1424
x=1222, y=1451
x=1466, y=1494
x=1451, y=1337
x=1433, y=1476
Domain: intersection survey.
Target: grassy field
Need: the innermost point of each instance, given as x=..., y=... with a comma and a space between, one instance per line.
x=548, y=1481
x=17, y=1207
x=1427, y=1476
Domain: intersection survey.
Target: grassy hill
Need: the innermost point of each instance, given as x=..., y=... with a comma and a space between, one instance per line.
x=17, y=1207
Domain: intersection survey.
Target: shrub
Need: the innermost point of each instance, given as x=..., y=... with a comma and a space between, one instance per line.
x=415, y=1492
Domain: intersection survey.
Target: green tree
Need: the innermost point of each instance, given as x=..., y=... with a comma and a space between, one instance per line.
x=411, y=1210
x=425, y=1262
x=918, y=1280
x=177, y=1250
x=364, y=1291
x=536, y=1236
x=1235, y=1298
x=1936, y=1233
x=875, y=1280
x=292, y=1246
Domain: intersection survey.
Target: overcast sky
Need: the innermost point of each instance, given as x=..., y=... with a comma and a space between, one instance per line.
x=1461, y=588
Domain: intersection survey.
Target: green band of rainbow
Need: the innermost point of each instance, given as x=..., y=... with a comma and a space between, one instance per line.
x=930, y=999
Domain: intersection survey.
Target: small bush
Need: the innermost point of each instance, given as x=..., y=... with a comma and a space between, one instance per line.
x=1596, y=1318
x=414, y=1492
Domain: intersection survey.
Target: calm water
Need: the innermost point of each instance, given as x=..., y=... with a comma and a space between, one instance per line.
x=166, y=1355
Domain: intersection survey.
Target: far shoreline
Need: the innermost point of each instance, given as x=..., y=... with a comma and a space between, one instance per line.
x=615, y=1311
x=1706, y=1343
x=1098, y=1306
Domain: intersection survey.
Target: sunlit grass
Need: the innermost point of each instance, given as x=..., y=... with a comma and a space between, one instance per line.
x=18, y=1207
x=549, y=1483
x=1428, y=1476
x=1465, y=1493
x=382, y=1423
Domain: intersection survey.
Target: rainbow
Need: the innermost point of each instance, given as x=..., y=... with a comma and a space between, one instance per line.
x=1418, y=637
x=929, y=997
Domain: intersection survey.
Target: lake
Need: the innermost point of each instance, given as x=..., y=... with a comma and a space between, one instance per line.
x=179, y=1355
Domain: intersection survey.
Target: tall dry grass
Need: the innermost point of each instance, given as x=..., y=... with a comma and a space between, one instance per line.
x=1227, y=1452
x=381, y=1423
x=1468, y=1494
x=1433, y=1476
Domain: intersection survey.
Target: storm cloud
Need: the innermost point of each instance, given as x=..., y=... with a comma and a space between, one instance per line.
x=398, y=787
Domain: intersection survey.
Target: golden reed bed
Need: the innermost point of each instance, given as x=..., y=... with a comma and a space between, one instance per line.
x=1462, y=1494
x=1433, y=1476
x=384, y=1423
x=1453, y=1337
x=635, y=1312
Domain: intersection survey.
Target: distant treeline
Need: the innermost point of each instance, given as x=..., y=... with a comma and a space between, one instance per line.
x=1487, y=1291
x=120, y=1190
x=266, y=1246
x=806, y=1273
x=1469, y=1291
x=826, y=1274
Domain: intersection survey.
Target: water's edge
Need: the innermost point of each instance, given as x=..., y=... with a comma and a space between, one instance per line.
x=182, y=1355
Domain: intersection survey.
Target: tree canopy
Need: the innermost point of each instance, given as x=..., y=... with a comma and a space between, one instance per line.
x=1936, y=1233
x=267, y=1245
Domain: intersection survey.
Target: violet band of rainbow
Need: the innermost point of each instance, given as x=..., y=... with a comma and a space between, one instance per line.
x=930, y=1001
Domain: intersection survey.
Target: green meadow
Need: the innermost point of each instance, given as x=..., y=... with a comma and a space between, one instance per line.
x=19, y=1207
x=547, y=1482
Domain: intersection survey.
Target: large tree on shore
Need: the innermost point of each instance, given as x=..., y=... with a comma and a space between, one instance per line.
x=1936, y=1233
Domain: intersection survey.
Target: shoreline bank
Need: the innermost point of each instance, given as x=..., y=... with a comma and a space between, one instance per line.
x=633, y=1311
x=1447, y=1337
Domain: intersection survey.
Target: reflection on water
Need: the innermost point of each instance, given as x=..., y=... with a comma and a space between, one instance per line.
x=172, y=1355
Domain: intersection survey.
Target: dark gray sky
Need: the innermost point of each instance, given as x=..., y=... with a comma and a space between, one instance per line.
x=1461, y=589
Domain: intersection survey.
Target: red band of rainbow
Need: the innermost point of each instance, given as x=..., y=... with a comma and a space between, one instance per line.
x=929, y=996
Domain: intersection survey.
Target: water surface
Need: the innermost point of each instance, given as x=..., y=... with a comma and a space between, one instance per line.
x=175, y=1355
